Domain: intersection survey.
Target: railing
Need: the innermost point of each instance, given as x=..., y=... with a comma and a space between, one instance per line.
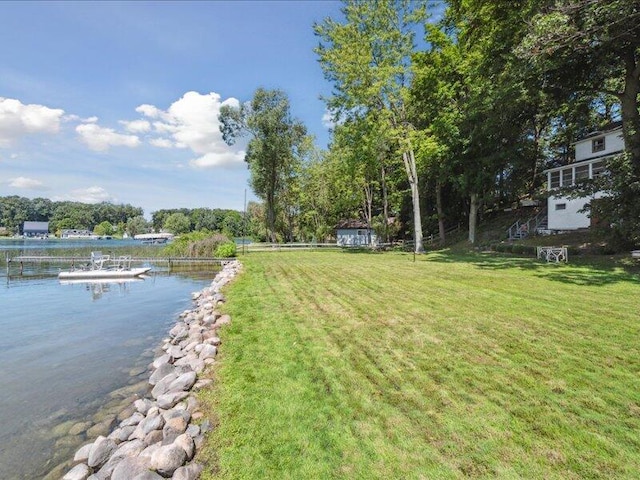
x=521, y=229
x=75, y=261
x=435, y=237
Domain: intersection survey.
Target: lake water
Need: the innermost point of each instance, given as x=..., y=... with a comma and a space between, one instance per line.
x=66, y=350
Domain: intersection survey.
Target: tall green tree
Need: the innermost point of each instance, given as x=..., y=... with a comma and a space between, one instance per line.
x=368, y=60
x=592, y=46
x=588, y=47
x=277, y=143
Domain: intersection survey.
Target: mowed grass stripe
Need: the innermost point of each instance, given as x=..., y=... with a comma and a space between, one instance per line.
x=370, y=366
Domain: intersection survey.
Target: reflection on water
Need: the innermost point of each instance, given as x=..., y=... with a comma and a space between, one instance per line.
x=98, y=288
x=64, y=350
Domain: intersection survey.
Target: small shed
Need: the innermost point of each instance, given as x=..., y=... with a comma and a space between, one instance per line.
x=355, y=233
x=35, y=229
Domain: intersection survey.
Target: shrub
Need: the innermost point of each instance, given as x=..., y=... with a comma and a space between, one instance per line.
x=196, y=244
x=226, y=250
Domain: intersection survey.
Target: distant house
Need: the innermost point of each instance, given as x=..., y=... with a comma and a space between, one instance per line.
x=35, y=229
x=592, y=153
x=354, y=233
x=77, y=233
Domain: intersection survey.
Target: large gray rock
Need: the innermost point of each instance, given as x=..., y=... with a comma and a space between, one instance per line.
x=175, y=351
x=79, y=472
x=129, y=449
x=120, y=435
x=149, y=475
x=130, y=467
x=161, y=372
x=208, y=351
x=143, y=405
x=174, y=427
x=134, y=419
x=100, y=452
x=82, y=455
x=188, y=472
x=223, y=320
x=153, y=436
x=178, y=330
x=152, y=423
x=163, y=385
x=186, y=443
x=167, y=459
x=183, y=382
x=161, y=360
x=169, y=400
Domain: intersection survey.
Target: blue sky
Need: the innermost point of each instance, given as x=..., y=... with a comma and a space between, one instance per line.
x=118, y=101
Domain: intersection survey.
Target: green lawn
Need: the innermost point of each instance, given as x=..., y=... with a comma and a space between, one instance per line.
x=371, y=366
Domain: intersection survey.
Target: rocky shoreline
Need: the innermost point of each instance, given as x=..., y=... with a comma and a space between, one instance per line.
x=161, y=432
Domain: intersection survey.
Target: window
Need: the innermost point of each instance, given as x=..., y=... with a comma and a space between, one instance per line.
x=597, y=169
x=597, y=144
x=555, y=180
x=567, y=177
x=582, y=173
x=362, y=233
x=561, y=206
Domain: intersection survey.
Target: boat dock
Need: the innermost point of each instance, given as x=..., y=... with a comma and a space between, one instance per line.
x=73, y=261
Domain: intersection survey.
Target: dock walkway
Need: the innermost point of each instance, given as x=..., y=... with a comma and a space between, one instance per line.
x=73, y=261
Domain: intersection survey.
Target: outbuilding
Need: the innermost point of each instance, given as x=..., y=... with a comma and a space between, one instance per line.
x=355, y=233
x=35, y=229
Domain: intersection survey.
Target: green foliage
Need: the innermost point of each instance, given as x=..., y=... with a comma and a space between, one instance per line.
x=277, y=144
x=104, y=228
x=367, y=59
x=177, y=223
x=136, y=225
x=196, y=244
x=226, y=250
x=14, y=211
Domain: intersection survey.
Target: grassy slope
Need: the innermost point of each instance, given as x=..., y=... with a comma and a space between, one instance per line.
x=343, y=365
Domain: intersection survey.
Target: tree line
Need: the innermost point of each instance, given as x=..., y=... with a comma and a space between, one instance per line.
x=110, y=219
x=61, y=215
x=442, y=122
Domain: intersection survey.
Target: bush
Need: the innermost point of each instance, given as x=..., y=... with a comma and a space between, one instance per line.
x=196, y=244
x=226, y=250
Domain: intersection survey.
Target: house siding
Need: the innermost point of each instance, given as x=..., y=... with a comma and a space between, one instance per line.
x=564, y=213
x=352, y=237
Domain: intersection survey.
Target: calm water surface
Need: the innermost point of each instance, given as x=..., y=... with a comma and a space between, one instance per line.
x=65, y=347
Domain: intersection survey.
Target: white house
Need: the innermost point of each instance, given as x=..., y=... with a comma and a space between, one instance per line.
x=592, y=153
x=355, y=233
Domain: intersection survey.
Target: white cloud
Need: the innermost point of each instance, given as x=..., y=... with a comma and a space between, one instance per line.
x=26, y=183
x=161, y=142
x=136, y=126
x=149, y=111
x=219, y=159
x=18, y=119
x=93, y=194
x=101, y=139
x=192, y=122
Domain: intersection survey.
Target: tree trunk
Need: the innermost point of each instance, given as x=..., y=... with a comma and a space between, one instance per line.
x=629, y=107
x=412, y=175
x=385, y=205
x=440, y=211
x=473, y=218
x=368, y=209
x=271, y=219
